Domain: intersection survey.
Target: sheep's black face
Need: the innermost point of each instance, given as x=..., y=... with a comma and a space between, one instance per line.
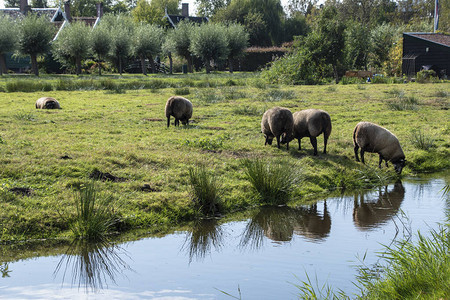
x=269, y=140
x=50, y=105
x=398, y=166
x=285, y=138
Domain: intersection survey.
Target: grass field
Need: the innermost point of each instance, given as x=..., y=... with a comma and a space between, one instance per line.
x=50, y=154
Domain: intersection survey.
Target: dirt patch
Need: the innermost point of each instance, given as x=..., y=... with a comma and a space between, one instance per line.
x=21, y=191
x=99, y=175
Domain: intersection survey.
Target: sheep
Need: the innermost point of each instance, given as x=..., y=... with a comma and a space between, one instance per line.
x=376, y=139
x=47, y=103
x=179, y=107
x=311, y=123
x=277, y=122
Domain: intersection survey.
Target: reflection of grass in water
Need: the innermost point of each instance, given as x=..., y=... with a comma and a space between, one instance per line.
x=92, y=263
x=205, y=235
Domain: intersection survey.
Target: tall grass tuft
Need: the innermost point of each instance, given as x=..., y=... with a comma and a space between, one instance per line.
x=421, y=140
x=25, y=116
x=276, y=95
x=28, y=86
x=94, y=217
x=272, y=181
x=205, y=190
x=413, y=270
x=404, y=103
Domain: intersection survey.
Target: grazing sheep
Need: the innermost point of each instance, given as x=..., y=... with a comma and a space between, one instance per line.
x=47, y=103
x=311, y=123
x=277, y=122
x=376, y=139
x=179, y=107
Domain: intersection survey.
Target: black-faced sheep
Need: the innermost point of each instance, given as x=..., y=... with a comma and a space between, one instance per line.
x=376, y=139
x=277, y=122
x=47, y=103
x=311, y=123
x=180, y=108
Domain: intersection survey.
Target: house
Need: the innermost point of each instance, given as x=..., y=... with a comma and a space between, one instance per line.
x=426, y=51
x=60, y=18
x=175, y=19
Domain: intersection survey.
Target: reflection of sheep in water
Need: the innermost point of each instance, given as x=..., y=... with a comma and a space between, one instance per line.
x=311, y=123
x=313, y=225
x=180, y=108
x=277, y=122
x=368, y=215
x=47, y=103
x=376, y=139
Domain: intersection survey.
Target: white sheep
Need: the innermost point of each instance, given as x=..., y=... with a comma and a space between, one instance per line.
x=311, y=123
x=376, y=139
x=180, y=108
x=277, y=122
x=47, y=103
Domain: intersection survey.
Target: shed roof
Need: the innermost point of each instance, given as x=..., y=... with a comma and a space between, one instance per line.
x=438, y=38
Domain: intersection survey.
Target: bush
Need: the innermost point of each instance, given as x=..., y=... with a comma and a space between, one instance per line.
x=272, y=181
x=425, y=76
x=205, y=190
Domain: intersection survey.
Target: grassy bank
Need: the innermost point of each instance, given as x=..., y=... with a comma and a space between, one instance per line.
x=121, y=135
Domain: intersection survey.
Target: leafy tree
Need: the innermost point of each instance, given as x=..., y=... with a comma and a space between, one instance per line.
x=39, y=3
x=209, y=42
x=8, y=40
x=168, y=47
x=237, y=40
x=101, y=44
x=357, y=46
x=147, y=43
x=73, y=45
x=181, y=40
x=255, y=15
x=12, y=3
x=300, y=6
x=88, y=8
x=294, y=25
x=154, y=11
x=208, y=8
x=34, y=38
x=120, y=46
x=382, y=39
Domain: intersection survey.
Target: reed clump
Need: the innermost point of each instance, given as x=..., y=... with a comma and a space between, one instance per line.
x=205, y=190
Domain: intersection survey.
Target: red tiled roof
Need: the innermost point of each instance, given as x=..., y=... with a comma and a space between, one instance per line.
x=439, y=38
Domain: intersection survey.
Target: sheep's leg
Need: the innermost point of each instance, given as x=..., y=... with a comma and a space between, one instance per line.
x=356, y=152
x=362, y=156
x=380, y=161
x=325, y=141
x=278, y=142
x=299, y=144
x=177, y=122
x=314, y=144
x=168, y=121
x=287, y=146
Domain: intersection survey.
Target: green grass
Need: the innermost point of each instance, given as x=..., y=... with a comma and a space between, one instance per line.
x=53, y=152
x=205, y=190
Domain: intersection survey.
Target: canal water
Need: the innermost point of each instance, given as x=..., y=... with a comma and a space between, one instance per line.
x=262, y=257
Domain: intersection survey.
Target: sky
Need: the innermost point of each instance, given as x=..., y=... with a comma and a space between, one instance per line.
x=192, y=7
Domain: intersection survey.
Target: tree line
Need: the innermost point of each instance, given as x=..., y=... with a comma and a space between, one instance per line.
x=117, y=38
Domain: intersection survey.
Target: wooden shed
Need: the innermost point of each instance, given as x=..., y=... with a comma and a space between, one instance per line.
x=426, y=51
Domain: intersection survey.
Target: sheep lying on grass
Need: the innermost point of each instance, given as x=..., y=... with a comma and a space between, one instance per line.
x=311, y=123
x=376, y=139
x=180, y=108
x=277, y=122
x=47, y=103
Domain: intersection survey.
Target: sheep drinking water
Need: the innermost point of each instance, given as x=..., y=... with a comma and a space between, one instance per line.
x=376, y=139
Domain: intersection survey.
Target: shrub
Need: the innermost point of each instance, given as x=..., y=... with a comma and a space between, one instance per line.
x=94, y=218
x=272, y=181
x=425, y=76
x=205, y=190
x=421, y=140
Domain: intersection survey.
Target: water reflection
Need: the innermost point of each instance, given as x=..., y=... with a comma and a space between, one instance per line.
x=204, y=235
x=280, y=224
x=370, y=213
x=92, y=264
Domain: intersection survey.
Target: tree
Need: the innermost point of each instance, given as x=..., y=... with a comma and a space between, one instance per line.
x=357, y=46
x=382, y=39
x=294, y=25
x=154, y=11
x=208, y=41
x=147, y=43
x=181, y=39
x=208, y=8
x=73, y=45
x=12, y=3
x=237, y=40
x=8, y=40
x=168, y=47
x=39, y=3
x=100, y=44
x=87, y=8
x=300, y=6
x=34, y=38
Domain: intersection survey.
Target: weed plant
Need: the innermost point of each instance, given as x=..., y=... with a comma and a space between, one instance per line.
x=205, y=190
x=214, y=143
x=247, y=111
x=404, y=103
x=182, y=91
x=25, y=116
x=422, y=140
x=94, y=216
x=276, y=95
x=273, y=181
